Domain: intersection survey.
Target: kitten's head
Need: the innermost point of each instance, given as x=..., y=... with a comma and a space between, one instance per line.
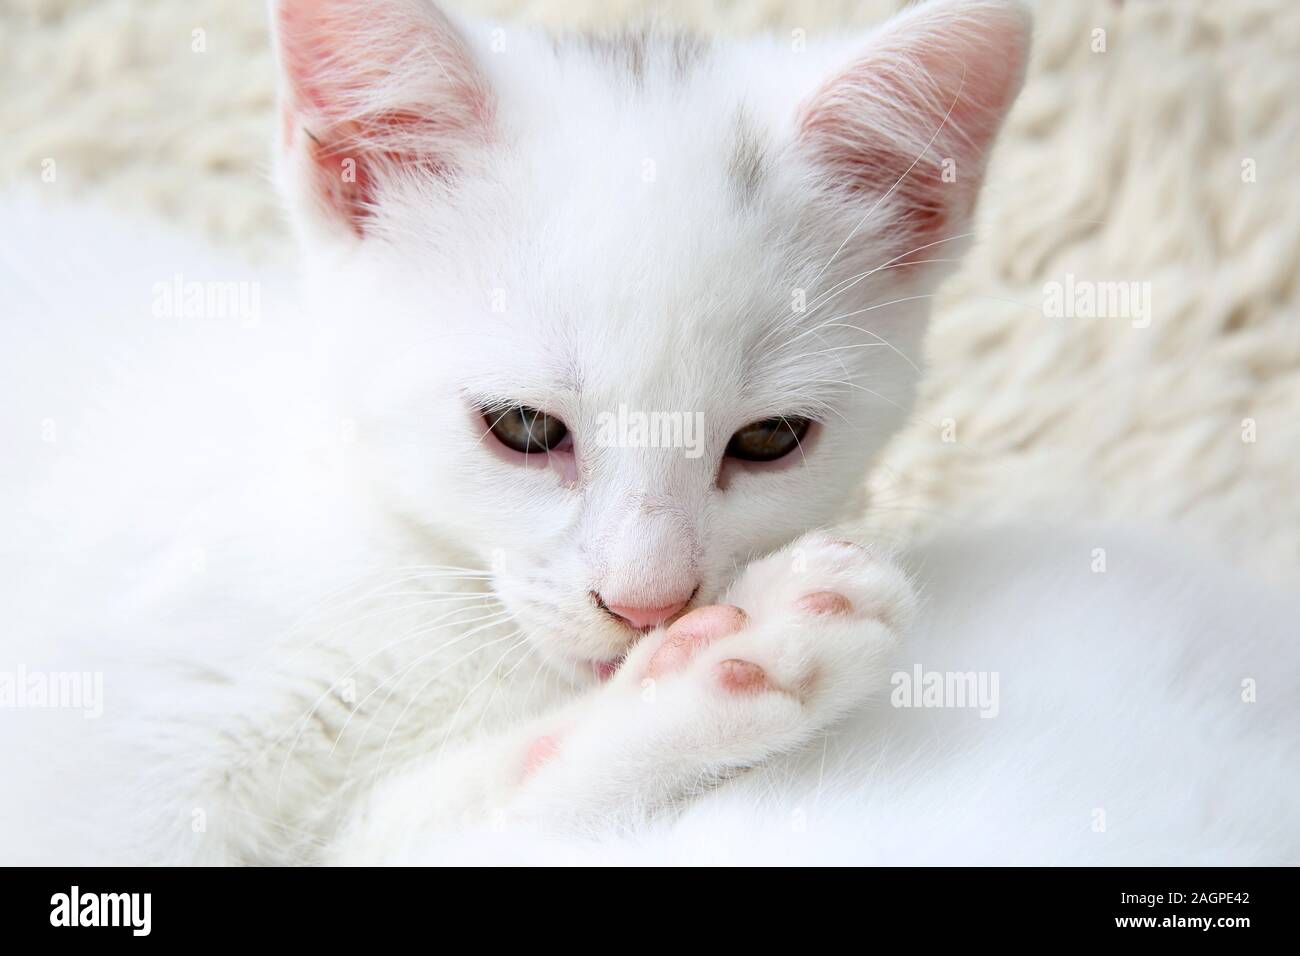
x=621, y=313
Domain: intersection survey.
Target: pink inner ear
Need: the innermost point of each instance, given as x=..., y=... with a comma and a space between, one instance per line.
x=865, y=161
x=864, y=170
x=353, y=196
x=387, y=84
x=934, y=88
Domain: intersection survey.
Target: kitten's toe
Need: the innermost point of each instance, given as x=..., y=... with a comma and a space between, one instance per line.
x=692, y=632
x=741, y=677
x=824, y=603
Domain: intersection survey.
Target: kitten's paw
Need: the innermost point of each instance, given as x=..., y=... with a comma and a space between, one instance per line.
x=810, y=623
x=820, y=576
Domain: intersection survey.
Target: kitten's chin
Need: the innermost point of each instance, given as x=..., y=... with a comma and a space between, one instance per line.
x=582, y=671
x=585, y=649
x=589, y=671
x=604, y=670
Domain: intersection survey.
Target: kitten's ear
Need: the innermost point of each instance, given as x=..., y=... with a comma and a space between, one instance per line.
x=905, y=128
x=371, y=90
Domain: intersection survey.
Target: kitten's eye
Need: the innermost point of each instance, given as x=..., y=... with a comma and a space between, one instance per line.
x=525, y=429
x=768, y=440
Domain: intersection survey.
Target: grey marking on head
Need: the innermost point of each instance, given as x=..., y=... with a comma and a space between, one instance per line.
x=624, y=50
x=747, y=164
x=687, y=51
x=635, y=52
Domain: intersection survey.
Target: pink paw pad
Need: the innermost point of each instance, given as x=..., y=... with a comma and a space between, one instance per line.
x=824, y=602
x=541, y=752
x=741, y=677
x=691, y=632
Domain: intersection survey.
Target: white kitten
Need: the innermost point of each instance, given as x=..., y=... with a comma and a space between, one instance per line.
x=380, y=576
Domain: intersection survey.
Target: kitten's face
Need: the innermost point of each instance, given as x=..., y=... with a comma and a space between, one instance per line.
x=623, y=316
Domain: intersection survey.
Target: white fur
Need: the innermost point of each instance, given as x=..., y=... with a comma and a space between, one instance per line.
x=279, y=484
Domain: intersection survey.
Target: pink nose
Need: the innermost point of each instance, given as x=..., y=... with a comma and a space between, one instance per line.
x=644, y=617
